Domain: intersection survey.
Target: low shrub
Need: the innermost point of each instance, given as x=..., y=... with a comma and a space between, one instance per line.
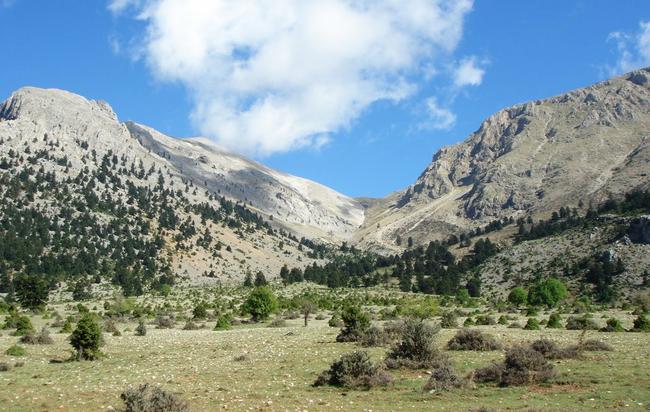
x=335, y=321
x=503, y=320
x=165, y=322
x=277, y=323
x=613, y=325
x=5, y=367
x=354, y=370
x=223, y=323
x=416, y=348
x=532, y=324
x=522, y=366
x=16, y=350
x=473, y=339
x=190, y=325
x=485, y=320
x=525, y=366
x=141, y=329
x=147, y=398
x=641, y=324
x=43, y=338
x=593, y=345
x=320, y=316
x=443, y=379
x=554, y=321
x=468, y=322
x=581, y=323
x=449, y=320
x=374, y=336
x=551, y=350
x=110, y=327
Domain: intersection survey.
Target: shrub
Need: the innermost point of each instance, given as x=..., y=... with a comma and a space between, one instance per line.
x=200, y=311
x=485, y=320
x=554, y=321
x=490, y=373
x=277, y=323
x=613, y=325
x=189, y=325
x=582, y=323
x=355, y=323
x=86, y=338
x=524, y=366
x=260, y=303
x=449, y=320
x=141, y=329
x=503, y=320
x=547, y=292
x=374, y=336
x=16, y=350
x=335, y=321
x=4, y=367
x=165, y=322
x=518, y=296
x=550, y=350
x=641, y=324
x=23, y=326
x=353, y=370
x=223, y=323
x=43, y=338
x=473, y=339
x=532, y=324
x=417, y=348
x=320, y=316
x=593, y=345
x=67, y=326
x=147, y=398
x=110, y=327
x=468, y=322
x=442, y=379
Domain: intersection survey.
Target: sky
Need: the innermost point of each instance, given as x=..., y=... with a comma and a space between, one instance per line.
x=355, y=94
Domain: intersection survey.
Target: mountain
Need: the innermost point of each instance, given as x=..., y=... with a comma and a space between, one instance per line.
x=84, y=194
x=575, y=150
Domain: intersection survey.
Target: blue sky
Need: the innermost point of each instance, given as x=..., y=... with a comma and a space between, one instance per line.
x=362, y=119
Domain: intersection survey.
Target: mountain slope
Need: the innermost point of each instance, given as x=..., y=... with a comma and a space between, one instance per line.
x=78, y=186
x=575, y=150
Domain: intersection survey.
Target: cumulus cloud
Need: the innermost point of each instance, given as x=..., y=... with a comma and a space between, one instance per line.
x=271, y=76
x=633, y=49
x=438, y=117
x=469, y=72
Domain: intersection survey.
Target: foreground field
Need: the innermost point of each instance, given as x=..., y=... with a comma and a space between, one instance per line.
x=260, y=368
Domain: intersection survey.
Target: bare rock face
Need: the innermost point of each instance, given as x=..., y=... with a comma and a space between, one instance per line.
x=572, y=150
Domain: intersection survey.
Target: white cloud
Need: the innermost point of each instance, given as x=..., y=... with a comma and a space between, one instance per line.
x=633, y=49
x=271, y=76
x=438, y=117
x=468, y=72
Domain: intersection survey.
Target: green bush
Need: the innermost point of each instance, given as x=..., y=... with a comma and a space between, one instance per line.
x=443, y=379
x=613, y=325
x=223, y=323
x=260, y=303
x=554, y=321
x=86, y=338
x=641, y=324
x=547, y=292
x=355, y=323
x=335, y=321
x=518, y=296
x=16, y=350
x=532, y=324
